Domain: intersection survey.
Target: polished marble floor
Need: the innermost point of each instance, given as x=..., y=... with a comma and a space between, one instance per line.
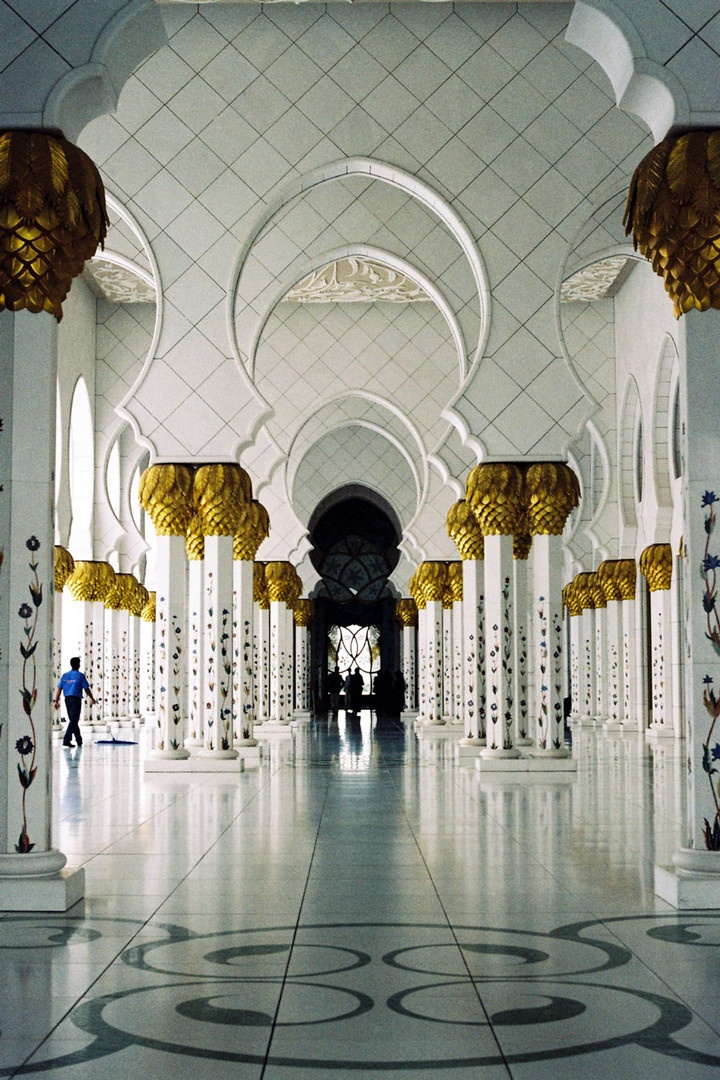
x=363, y=906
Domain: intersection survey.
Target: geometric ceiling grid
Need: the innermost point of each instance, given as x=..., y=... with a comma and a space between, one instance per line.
x=350, y=455
x=402, y=353
x=486, y=105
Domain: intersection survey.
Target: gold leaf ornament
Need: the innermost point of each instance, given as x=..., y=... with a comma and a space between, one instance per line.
x=148, y=612
x=220, y=493
x=552, y=492
x=64, y=566
x=165, y=493
x=304, y=612
x=253, y=529
x=90, y=580
x=406, y=612
x=52, y=219
x=260, y=593
x=656, y=567
x=673, y=212
x=495, y=492
x=464, y=530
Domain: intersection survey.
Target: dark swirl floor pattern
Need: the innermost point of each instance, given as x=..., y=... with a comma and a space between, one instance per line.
x=390, y=915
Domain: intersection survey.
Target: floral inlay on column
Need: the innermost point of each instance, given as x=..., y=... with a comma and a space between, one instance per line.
x=711, y=752
x=26, y=746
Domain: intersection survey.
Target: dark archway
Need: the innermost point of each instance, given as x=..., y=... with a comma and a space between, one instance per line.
x=355, y=539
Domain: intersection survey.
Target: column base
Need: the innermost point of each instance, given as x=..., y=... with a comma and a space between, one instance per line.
x=194, y=742
x=693, y=881
x=473, y=740
x=588, y=721
x=469, y=749
x=408, y=716
x=218, y=755
x=251, y=752
x=167, y=755
x=275, y=729
x=660, y=731
x=538, y=752
x=526, y=766
x=523, y=740
x=39, y=882
x=302, y=716
x=500, y=754
x=430, y=730
x=195, y=764
x=613, y=725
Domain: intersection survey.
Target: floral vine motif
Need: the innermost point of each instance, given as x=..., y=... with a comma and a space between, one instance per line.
x=557, y=675
x=711, y=753
x=708, y=571
x=26, y=745
x=225, y=682
x=162, y=669
x=175, y=707
x=522, y=685
x=507, y=666
x=543, y=719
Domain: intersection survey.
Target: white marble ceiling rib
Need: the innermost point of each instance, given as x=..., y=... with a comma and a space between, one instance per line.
x=486, y=104
x=361, y=412
x=355, y=213
x=349, y=455
x=402, y=353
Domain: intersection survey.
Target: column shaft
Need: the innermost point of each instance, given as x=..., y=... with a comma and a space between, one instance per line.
x=170, y=648
x=474, y=650
x=218, y=617
x=499, y=676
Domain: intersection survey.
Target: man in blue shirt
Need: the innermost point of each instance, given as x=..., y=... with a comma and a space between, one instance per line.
x=72, y=684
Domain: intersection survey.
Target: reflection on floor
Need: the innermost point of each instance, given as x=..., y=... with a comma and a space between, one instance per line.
x=362, y=906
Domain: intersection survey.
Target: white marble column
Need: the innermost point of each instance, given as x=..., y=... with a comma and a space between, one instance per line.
x=458, y=666
x=447, y=662
x=587, y=703
x=521, y=643
x=262, y=661
x=280, y=579
x=548, y=637
x=63, y=567
x=615, y=667
x=196, y=643
x=433, y=716
x=218, y=622
x=31, y=870
x=170, y=649
x=575, y=618
x=422, y=660
x=147, y=662
x=244, y=653
x=499, y=673
x=694, y=879
x=474, y=651
x=89, y=584
x=406, y=614
x=656, y=565
x=601, y=657
x=302, y=614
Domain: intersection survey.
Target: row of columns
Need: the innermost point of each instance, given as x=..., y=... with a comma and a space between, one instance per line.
x=609, y=653
x=490, y=641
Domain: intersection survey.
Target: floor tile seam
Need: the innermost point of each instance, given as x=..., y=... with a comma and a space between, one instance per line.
x=291, y=949
x=451, y=928
x=661, y=978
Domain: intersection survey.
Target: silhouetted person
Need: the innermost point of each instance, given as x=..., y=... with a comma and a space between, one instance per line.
x=72, y=684
x=398, y=693
x=334, y=687
x=382, y=688
x=355, y=688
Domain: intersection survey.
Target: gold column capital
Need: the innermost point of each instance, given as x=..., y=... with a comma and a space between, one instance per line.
x=148, y=612
x=138, y=600
x=90, y=580
x=673, y=212
x=253, y=529
x=455, y=580
x=656, y=566
x=406, y=612
x=260, y=593
x=219, y=494
x=571, y=600
x=522, y=543
x=432, y=579
x=495, y=492
x=617, y=578
x=416, y=591
x=64, y=566
x=584, y=593
x=281, y=580
x=552, y=492
x=52, y=218
x=165, y=492
x=304, y=612
x=463, y=529
x=120, y=595
x=194, y=540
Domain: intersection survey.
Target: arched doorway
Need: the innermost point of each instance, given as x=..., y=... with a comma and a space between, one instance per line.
x=355, y=549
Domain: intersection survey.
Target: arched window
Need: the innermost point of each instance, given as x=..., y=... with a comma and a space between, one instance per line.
x=639, y=458
x=81, y=461
x=676, y=435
